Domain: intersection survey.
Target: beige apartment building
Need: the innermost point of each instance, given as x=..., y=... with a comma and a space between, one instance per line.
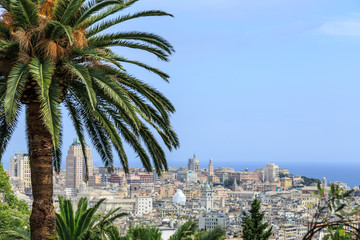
x=75, y=165
x=20, y=169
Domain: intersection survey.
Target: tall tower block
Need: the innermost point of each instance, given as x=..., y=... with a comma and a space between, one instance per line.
x=75, y=165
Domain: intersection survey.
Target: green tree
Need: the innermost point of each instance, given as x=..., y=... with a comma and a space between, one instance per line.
x=13, y=213
x=56, y=53
x=253, y=227
x=310, y=181
x=228, y=183
x=338, y=233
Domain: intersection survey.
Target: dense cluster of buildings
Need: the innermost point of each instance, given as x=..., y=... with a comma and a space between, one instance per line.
x=213, y=197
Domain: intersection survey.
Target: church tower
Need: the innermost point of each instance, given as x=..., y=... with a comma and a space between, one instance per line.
x=235, y=186
x=211, y=167
x=323, y=182
x=207, y=199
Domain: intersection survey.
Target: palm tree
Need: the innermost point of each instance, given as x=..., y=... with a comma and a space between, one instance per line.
x=55, y=53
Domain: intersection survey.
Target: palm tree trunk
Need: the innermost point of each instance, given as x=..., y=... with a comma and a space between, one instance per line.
x=42, y=219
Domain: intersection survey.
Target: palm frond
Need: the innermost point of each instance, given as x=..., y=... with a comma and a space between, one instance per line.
x=5, y=44
x=117, y=95
x=76, y=119
x=83, y=74
x=57, y=153
x=4, y=29
x=87, y=220
x=67, y=213
x=100, y=55
x=131, y=139
x=168, y=135
x=108, y=56
x=161, y=54
x=24, y=12
x=50, y=112
x=65, y=10
x=19, y=233
x=145, y=37
x=81, y=208
x=157, y=98
x=107, y=12
x=184, y=231
x=109, y=23
x=215, y=234
x=6, y=131
x=5, y=4
x=15, y=84
x=95, y=130
x=145, y=66
x=54, y=29
x=92, y=7
x=156, y=152
x=107, y=126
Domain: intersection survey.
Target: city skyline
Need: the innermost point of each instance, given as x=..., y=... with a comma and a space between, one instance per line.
x=332, y=172
x=272, y=101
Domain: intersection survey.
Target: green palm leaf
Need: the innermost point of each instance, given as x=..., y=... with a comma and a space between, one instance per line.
x=108, y=12
x=42, y=72
x=76, y=119
x=65, y=9
x=109, y=23
x=93, y=7
x=54, y=29
x=82, y=72
x=15, y=84
x=24, y=12
x=148, y=38
x=184, y=231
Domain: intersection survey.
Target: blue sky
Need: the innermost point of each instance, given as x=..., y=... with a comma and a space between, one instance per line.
x=254, y=81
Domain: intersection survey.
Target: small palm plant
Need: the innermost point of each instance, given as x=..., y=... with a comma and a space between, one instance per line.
x=214, y=234
x=55, y=52
x=185, y=231
x=86, y=223
x=142, y=233
x=188, y=232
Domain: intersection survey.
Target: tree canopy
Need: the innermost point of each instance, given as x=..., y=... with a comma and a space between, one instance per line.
x=253, y=227
x=13, y=212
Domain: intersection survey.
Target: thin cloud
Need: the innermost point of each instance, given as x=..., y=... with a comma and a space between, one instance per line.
x=341, y=28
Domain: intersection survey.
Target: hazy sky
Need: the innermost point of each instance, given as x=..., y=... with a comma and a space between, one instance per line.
x=254, y=80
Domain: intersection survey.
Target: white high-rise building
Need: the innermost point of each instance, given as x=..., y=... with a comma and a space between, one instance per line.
x=211, y=167
x=20, y=168
x=75, y=165
x=207, y=199
x=194, y=164
x=271, y=172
